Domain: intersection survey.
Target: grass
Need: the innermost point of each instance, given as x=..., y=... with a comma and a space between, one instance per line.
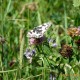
x=17, y=17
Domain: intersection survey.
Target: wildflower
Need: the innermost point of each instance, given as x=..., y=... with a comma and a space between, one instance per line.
x=32, y=41
x=29, y=54
x=74, y=32
x=66, y=51
x=36, y=41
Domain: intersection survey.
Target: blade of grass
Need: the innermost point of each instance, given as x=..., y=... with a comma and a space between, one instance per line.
x=65, y=20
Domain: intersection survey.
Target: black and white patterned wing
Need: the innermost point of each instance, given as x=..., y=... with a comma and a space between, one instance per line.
x=39, y=31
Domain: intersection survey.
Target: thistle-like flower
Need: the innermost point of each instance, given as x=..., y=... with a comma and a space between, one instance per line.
x=66, y=51
x=36, y=41
x=74, y=32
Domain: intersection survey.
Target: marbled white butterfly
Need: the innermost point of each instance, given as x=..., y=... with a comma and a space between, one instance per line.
x=39, y=31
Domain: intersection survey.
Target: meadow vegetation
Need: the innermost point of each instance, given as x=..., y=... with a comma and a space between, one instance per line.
x=54, y=56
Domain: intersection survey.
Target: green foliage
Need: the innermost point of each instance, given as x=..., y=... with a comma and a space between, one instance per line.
x=17, y=17
x=76, y=3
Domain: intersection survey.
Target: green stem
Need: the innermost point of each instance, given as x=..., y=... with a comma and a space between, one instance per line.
x=65, y=21
x=21, y=50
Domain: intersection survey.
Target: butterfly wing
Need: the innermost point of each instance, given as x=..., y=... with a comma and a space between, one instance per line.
x=39, y=31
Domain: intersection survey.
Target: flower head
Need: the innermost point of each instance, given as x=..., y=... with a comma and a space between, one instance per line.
x=74, y=32
x=36, y=41
x=29, y=54
x=66, y=51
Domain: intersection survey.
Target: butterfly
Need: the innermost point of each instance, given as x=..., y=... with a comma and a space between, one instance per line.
x=39, y=31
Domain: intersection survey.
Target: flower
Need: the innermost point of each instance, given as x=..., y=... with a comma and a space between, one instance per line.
x=36, y=41
x=29, y=54
x=74, y=32
x=32, y=41
x=66, y=51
